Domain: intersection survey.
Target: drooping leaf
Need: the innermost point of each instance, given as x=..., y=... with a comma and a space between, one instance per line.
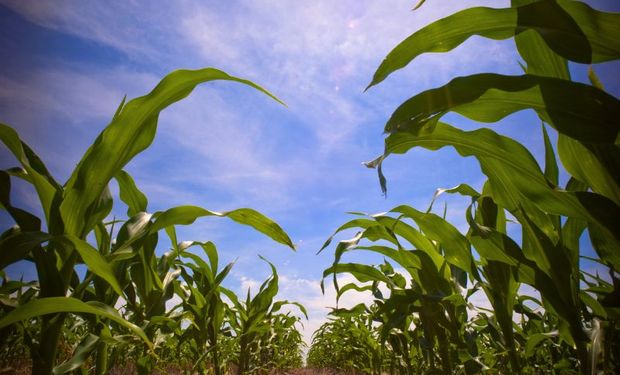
x=130, y=194
x=462, y=189
x=53, y=305
x=17, y=246
x=515, y=176
x=455, y=245
x=130, y=132
x=490, y=97
x=95, y=262
x=43, y=182
x=80, y=355
x=570, y=28
x=278, y=305
x=361, y=272
x=184, y=215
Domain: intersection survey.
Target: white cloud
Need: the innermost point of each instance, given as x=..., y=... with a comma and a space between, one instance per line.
x=316, y=56
x=119, y=24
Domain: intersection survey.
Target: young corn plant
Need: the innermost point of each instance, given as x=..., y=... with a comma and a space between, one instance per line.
x=202, y=304
x=57, y=243
x=349, y=342
x=253, y=322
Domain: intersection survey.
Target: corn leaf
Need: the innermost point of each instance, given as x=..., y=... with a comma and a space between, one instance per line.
x=18, y=245
x=490, y=97
x=454, y=244
x=43, y=182
x=516, y=178
x=570, y=28
x=131, y=131
x=361, y=272
x=95, y=262
x=53, y=305
x=185, y=215
x=80, y=355
x=130, y=194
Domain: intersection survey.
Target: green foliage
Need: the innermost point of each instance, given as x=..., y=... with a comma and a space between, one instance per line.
x=122, y=268
x=261, y=330
x=428, y=323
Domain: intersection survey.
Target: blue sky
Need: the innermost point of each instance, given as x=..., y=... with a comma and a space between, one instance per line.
x=66, y=66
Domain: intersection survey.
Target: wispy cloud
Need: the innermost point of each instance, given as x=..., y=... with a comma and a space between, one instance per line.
x=118, y=24
x=227, y=146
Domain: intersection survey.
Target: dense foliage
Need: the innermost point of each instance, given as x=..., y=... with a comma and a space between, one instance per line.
x=121, y=309
x=103, y=298
x=524, y=227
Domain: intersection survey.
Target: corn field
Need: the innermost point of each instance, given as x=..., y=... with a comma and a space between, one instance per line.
x=104, y=301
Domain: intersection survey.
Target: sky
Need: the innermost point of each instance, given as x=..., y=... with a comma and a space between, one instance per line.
x=66, y=66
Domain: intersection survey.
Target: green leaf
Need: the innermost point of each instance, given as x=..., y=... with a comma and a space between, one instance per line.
x=185, y=215
x=596, y=165
x=355, y=223
x=361, y=272
x=570, y=28
x=279, y=304
x=490, y=97
x=594, y=80
x=53, y=305
x=551, y=165
x=352, y=286
x=130, y=194
x=43, y=182
x=95, y=262
x=267, y=292
x=516, y=178
x=462, y=189
x=536, y=339
x=455, y=245
x=17, y=246
x=131, y=131
x=419, y=4
x=80, y=355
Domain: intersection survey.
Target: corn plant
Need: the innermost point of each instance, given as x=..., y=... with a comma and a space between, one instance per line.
x=282, y=350
x=253, y=322
x=203, y=305
x=57, y=243
x=552, y=218
x=346, y=343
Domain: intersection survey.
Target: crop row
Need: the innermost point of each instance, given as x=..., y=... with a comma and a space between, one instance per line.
x=524, y=226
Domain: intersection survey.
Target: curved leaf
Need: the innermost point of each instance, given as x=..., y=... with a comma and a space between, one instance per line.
x=455, y=245
x=185, y=215
x=361, y=272
x=131, y=131
x=130, y=194
x=43, y=182
x=570, y=28
x=596, y=165
x=18, y=245
x=80, y=355
x=53, y=305
x=490, y=97
x=95, y=262
x=517, y=181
